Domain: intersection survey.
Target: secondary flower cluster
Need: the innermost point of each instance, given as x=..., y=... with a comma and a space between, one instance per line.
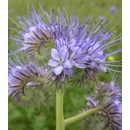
x=108, y=96
x=27, y=84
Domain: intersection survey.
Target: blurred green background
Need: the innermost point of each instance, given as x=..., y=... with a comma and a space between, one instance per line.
x=74, y=98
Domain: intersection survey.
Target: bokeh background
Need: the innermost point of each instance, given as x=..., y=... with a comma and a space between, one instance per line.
x=74, y=99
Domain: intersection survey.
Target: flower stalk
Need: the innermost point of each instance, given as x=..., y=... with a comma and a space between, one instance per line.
x=80, y=116
x=59, y=110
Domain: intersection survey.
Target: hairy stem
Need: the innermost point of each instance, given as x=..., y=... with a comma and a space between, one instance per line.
x=59, y=110
x=80, y=116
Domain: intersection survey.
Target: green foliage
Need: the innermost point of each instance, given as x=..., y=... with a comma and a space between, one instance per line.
x=74, y=98
x=93, y=122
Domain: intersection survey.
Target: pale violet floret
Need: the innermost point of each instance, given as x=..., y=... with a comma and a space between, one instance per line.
x=60, y=61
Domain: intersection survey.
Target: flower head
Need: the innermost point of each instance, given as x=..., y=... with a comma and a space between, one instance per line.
x=75, y=45
x=20, y=76
x=109, y=118
x=88, y=51
x=107, y=96
x=27, y=84
x=33, y=35
x=35, y=38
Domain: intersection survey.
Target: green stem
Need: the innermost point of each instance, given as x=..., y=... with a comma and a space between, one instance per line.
x=80, y=116
x=59, y=110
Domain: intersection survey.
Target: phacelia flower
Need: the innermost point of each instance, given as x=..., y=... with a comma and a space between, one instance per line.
x=27, y=84
x=60, y=62
x=35, y=38
x=108, y=97
x=33, y=35
x=21, y=76
x=75, y=45
x=88, y=51
x=109, y=118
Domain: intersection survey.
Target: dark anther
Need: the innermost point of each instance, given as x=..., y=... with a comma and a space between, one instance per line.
x=41, y=41
x=36, y=73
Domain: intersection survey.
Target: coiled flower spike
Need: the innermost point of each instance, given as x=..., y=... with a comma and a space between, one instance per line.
x=33, y=35
x=113, y=113
x=108, y=97
x=27, y=84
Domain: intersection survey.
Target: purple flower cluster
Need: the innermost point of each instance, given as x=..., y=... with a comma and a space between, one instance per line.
x=108, y=96
x=21, y=76
x=27, y=84
x=33, y=35
x=82, y=49
x=75, y=45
